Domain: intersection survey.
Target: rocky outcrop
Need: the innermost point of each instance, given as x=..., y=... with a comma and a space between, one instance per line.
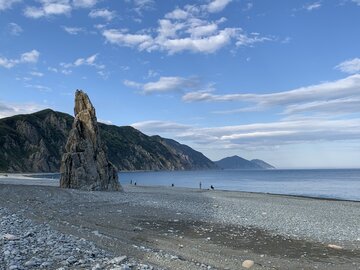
x=36, y=142
x=33, y=142
x=84, y=164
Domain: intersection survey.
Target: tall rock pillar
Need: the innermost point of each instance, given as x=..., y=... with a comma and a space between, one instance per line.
x=84, y=164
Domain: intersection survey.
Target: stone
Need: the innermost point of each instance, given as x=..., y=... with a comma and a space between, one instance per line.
x=335, y=246
x=248, y=264
x=97, y=267
x=117, y=260
x=10, y=237
x=31, y=263
x=84, y=164
x=46, y=264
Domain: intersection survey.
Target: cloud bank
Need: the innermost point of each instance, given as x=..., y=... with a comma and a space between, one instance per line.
x=186, y=29
x=318, y=97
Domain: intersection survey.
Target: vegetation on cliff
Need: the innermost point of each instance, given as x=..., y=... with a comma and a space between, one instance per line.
x=35, y=143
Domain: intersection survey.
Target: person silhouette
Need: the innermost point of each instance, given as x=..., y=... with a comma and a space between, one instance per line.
x=212, y=187
x=200, y=184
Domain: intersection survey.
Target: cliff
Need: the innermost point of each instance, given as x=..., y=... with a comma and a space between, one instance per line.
x=36, y=142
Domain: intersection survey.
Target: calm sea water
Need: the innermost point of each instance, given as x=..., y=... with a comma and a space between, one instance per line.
x=337, y=184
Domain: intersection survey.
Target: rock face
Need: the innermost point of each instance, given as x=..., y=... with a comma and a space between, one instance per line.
x=85, y=165
x=36, y=142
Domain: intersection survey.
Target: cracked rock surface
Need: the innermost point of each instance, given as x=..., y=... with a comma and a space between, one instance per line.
x=85, y=164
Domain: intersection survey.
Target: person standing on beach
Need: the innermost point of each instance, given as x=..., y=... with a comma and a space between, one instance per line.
x=200, y=184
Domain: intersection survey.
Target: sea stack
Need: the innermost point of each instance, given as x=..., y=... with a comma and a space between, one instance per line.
x=84, y=164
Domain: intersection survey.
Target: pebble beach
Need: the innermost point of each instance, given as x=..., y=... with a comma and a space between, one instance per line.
x=45, y=227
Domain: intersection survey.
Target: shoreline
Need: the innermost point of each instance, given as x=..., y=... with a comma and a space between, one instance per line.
x=29, y=180
x=183, y=228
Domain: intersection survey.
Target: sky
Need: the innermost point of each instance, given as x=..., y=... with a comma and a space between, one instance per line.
x=275, y=80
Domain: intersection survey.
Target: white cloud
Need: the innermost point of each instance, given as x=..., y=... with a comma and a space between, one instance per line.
x=90, y=61
x=102, y=13
x=177, y=14
x=36, y=73
x=248, y=6
x=57, y=8
x=132, y=84
x=53, y=69
x=340, y=96
x=184, y=29
x=217, y=5
x=165, y=84
x=66, y=71
x=336, y=89
x=73, y=30
x=28, y=57
x=9, y=109
x=66, y=68
x=49, y=8
x=15, y=29
x=107, y=122
x=209, y=44
x=313, y=6
x=356, y=2
x=41, y=88
x=142, y=5
x=258, y=134
x=203, y=30
x=328, y=107
x=84, y=3
x=153, y=127
x=201, y=39
x=34, y=12
x=121, y=38
x=350, y=66
x=151, y=74
x=7, y=4
x=249, y=40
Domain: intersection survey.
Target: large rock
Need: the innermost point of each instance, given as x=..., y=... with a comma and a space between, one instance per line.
x=84, y=164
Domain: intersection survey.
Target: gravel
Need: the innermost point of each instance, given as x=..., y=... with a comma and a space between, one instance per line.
x=176, y=228
x=320, y=220
x=25, y=245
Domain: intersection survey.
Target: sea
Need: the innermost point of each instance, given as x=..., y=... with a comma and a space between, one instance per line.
x=341, y=184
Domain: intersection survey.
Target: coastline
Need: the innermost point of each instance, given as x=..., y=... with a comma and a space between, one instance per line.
x=31, y=179
x=219, y=229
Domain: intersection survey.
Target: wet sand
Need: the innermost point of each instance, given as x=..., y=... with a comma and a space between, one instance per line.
x=178, y=228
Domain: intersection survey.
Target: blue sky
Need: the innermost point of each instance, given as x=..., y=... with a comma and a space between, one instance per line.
x=276, y=80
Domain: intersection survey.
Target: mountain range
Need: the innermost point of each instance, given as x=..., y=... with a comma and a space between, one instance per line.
x=35, y=143
x=236, y=162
